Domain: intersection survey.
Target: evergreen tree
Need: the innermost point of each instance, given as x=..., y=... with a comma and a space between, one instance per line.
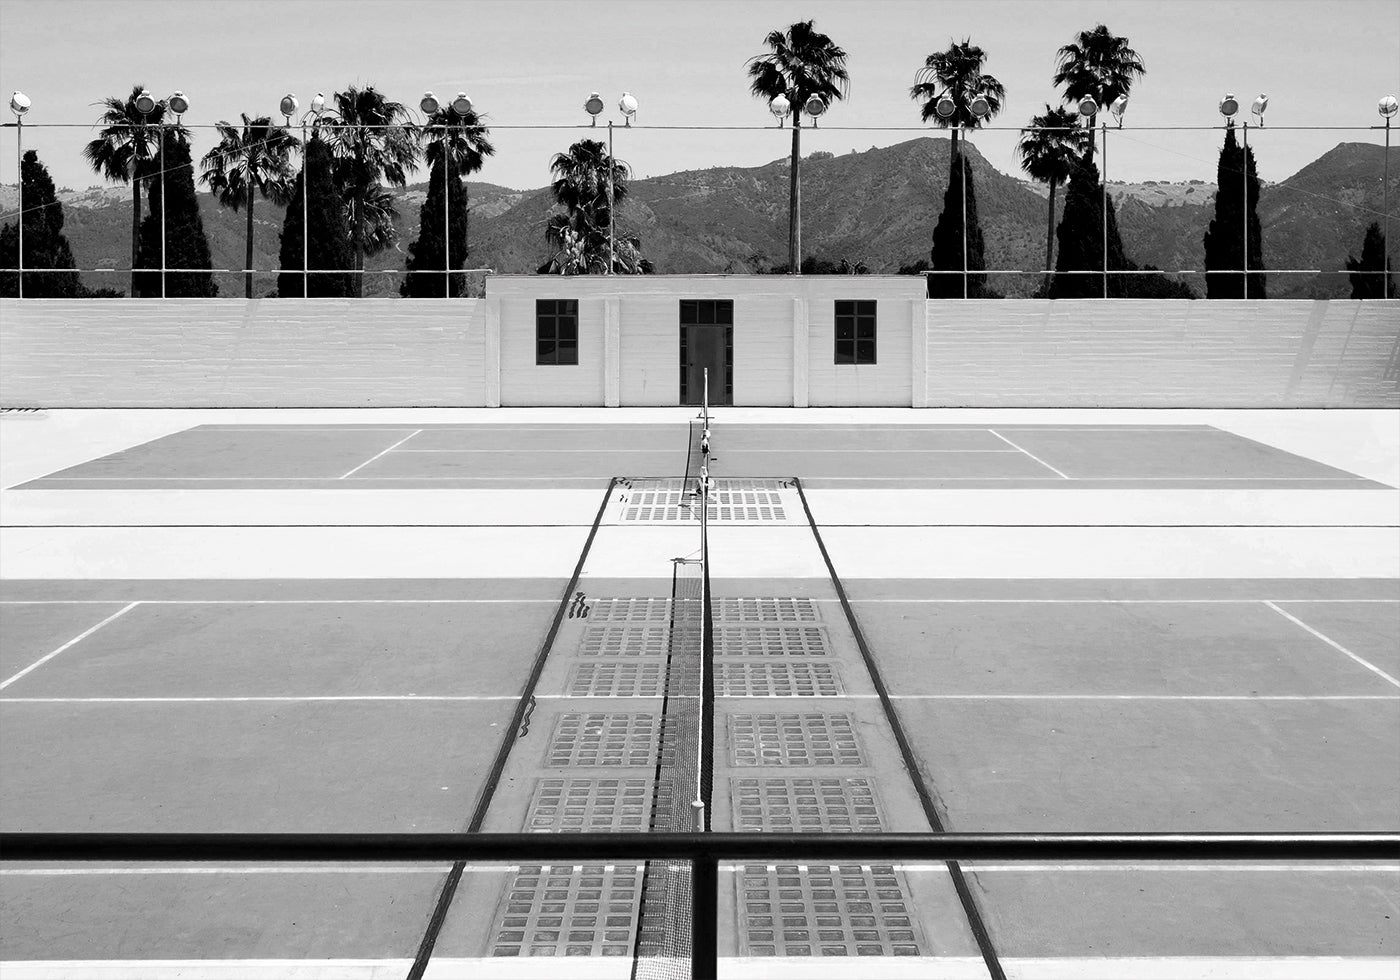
x=1223, y=244
x=947, y=252
x=1366, y=280
x=186, y=246
x=1079, y=265
x=425, y=255
x=45, y=245
x=329, y=246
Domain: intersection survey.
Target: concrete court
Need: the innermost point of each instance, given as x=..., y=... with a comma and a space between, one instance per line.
x=1325, y=557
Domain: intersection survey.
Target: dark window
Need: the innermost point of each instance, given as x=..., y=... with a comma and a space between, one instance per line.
x=556, y=331
x=707, y=311
x=855, y=331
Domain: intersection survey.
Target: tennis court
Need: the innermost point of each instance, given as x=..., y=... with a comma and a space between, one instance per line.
x=426, y=621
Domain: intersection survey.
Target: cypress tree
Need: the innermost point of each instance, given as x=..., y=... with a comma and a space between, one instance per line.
x=45, y=245
x=186, y=246
x=329, y=247
x=1079, y=265
x=947, y=252
x=1366, y=280
x=1223, y=244
x=426, y=253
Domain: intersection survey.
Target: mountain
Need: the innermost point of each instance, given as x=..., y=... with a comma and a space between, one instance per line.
x=877, y=206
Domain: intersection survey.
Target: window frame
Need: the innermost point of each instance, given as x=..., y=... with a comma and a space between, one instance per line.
x=550, y=316
x=863, y=317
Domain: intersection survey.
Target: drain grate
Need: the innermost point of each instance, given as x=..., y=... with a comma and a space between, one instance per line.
x=807, y=806
x=603, y=739
x=765, y=610
x=586, y=910
x=808, y=738
x=824, y=910
x=625, y=641
x=730, y=500
x=632, y=610
x=575, y=806
x=617, y=680
x=770, y=641
x=769, y=680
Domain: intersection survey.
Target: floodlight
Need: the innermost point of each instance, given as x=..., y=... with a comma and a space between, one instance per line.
x=318, y=104
x=815, y=106
x=593, y=107
x=1386, y=106
x=429, y=104
x=1260, y=104
x=945, y=106
x=178, y=103
x=19, y=104
x=1120, y=106
x=980, y=107
x=462, y=105
x=145, y=104
x=780, y=107
x=1229, y=106
x=628, y=106
x=1088, y=107
x=288, y=106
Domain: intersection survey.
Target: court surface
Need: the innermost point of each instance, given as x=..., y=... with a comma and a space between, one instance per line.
x=325, y=621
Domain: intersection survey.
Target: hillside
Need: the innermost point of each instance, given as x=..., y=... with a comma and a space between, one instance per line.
x=877, y=206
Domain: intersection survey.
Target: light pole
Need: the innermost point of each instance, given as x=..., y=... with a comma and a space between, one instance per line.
x=1387, y=107
x=1088, y=109
x=627, y=105
x=145, y=104
x=288, y=107
x=944, y=107
x=178, y=104
x=19, y=105
x=455, y=115
x=1228, y=106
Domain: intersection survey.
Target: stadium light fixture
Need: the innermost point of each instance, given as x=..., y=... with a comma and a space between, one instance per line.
x=1120, y=106
x=288, y=107
x=780, y=107
x=1229, y=105
x=627, y=105
x=145, y=103
x=944, y=106
x=594, y=107
x=980, y=107
x=19, y=104
x=429, y=104
x=1387, y=106
x=318, y=104
x=1088, y=107
x=1257, y=109
x=462, y=105
x=178, y=104
x=814, y=106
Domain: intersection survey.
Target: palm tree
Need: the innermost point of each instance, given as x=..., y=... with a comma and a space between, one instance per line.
x=253, y=160
x=1099, y=65
x=801, y=63
x=1049, y=150
x=127, y=150
x=373, y=140
x=957, y=73
x=466, y=138
x=579, y=233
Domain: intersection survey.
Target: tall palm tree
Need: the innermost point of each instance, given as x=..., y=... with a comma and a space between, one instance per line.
x=957, y=73
x=127, y=150
x=1100, y=65
x=1049, y=150
x=579, y=233
x=373, y=141
x=801, y=63
x=250, y=161
x=467, y=140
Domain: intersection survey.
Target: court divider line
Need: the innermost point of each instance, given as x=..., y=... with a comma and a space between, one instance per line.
x=81, y=636
x=278, y=698
x=971, y=910
x=381, y=453
x=508, y=739
x=293, y=602
x=1030, y=454
x=1334, y=644
x=333, y=480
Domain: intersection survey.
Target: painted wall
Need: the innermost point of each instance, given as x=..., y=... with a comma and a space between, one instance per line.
x=1218, y=353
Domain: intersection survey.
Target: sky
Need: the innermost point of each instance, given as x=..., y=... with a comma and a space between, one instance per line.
x=530, y=64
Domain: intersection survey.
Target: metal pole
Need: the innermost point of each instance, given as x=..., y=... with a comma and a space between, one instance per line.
x=1105, y=209
x=19, y=176
x=305, y=238
x=1244, y=205
x=610, y=198
x=962, y=179
x=1385, y=218
x=162, y=207
x=446, y=218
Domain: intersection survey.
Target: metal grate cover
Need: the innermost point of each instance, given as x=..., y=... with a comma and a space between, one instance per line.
x=770, y=641
x=777, y=680
x=625, y=641
x=632, y=610
x=585, y=910
x=575, y=806
x=807, y=806
x=807, y=738
x=617, y=679
x=758, y=609
x=675, y=500
x=825, y=910
x=603, y=739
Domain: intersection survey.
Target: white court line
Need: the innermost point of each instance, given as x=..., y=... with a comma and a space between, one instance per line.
x=1030, y=454
x=1138, y=697
x=377, y=455
x=291, y=698
x=270, y=869
x=732, y=451
x=1334, y=644
x=861, y=479
x=1314, y=867
x=1109, y=602
x=81, y=636
x=269, y=602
